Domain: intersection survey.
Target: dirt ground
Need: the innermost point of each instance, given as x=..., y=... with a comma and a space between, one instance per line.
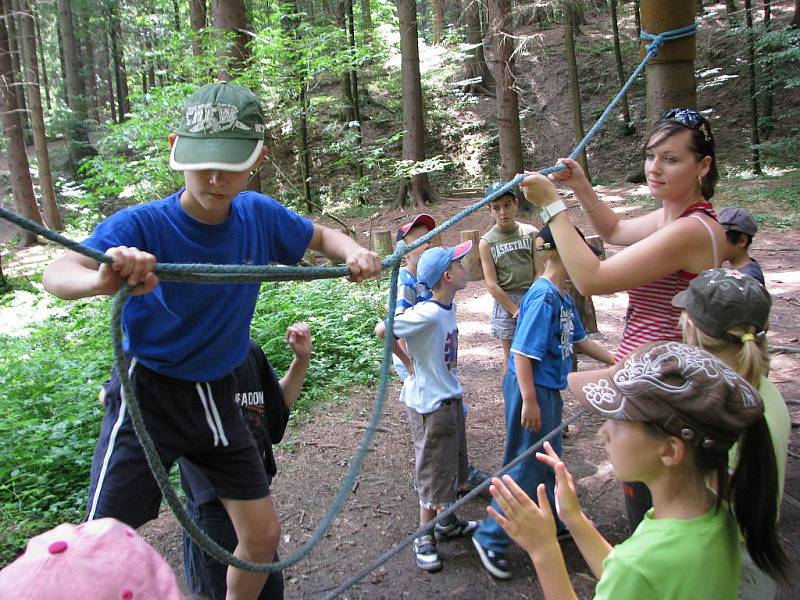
x=382, y=509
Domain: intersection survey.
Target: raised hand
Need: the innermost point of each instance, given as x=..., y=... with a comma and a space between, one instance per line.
x=298, y=336
x=538, y=189
x=567, y=505
x=529, y=525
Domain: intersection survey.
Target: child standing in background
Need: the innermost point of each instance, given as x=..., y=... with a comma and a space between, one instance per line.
x=432, y=394
x=740, y=228
x=506, y=252
x=548, y=328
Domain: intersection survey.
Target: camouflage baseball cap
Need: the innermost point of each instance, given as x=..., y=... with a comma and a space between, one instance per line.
x=222, y=127
x=684, y=389
x=719, y=299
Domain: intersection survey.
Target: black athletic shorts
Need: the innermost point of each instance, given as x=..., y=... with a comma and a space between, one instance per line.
x=199, y=420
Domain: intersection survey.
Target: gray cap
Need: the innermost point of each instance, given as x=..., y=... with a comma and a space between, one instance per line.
x=737, y=219
x=720, y=299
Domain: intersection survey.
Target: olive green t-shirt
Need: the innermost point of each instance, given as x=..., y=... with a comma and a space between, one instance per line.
x=675, y=559
x=512, y=255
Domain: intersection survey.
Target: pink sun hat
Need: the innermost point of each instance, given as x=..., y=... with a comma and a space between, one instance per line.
x=102, y=559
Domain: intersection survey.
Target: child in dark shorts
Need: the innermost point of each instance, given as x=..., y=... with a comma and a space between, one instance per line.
x=432, y=395
x=185, y=339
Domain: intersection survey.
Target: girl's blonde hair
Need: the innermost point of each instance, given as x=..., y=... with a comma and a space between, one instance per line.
x=752, y=358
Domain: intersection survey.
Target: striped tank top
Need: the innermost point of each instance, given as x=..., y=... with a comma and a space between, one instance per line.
x=650, y=315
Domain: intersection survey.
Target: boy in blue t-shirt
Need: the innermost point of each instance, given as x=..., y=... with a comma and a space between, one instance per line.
x=548, y=327
x=184, y=340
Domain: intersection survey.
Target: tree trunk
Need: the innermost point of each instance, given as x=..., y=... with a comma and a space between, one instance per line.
x=626, y=112
x=354, y=88
x=104, y=66
x=438, y=21
x=16, y=59
x=21, y=182
x=3, y=281
x=347, y=114
x=43, y=64
x=637, y=17
x=176, y=14
x=120, y=73
x=751, y=67
x=199, y=20
x=366, y=21
x=28, y=41
x=229, y=15
x=769, y=81
x=575, y=91
x=730, y=9
x=291, y=25
x=89, y=70
x=419, y=187
x=475, y=61
x=670, y=78
x=501, y=32
x=796, y=18
x=77, y=136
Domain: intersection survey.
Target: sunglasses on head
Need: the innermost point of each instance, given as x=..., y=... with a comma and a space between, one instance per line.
x=690, y=118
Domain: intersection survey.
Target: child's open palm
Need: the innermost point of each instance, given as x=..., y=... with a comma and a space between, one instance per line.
x=567, y=506
x=529, y=525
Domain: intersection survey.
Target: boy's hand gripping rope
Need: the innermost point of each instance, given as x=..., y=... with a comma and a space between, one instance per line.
x=212, y=273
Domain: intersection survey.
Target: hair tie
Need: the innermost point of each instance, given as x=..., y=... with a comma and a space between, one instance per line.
x=748, y=337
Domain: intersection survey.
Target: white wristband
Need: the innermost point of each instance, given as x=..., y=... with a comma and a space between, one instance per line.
x=551, y=210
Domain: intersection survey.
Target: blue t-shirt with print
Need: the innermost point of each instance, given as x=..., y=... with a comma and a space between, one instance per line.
x=548, y=325
x=200, y=331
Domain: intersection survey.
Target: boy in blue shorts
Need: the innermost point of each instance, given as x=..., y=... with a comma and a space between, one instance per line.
x=184, y=340
x=432, y=395
x=548, y=328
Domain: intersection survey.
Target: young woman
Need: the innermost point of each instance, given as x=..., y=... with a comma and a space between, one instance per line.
x=663, y=250
x=726, y=312
x=673, y=411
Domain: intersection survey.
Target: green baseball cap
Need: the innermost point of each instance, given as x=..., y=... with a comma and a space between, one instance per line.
x=222, y=127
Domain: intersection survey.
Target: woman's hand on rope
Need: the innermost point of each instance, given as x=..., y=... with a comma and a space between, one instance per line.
x=567, y=506
x=130, y=265
x=538, y=190
x=572, y=175
x=529, y=525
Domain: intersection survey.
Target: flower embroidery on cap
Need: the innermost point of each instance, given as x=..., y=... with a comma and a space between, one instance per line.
x=601, y=394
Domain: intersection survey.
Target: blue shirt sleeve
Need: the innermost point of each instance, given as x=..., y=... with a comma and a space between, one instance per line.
x=578, y=330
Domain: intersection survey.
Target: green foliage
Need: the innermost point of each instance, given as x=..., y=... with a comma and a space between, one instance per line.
x=49, y=419
x=49, y=380
x=341, y=316
x=773, y=201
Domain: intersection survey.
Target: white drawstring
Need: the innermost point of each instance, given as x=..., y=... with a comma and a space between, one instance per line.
x=215, y=413
x=209, y=420
x=212, y=415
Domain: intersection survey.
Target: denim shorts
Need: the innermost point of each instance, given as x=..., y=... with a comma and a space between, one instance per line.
x=503, y=323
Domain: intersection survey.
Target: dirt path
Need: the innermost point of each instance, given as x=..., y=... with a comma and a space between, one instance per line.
x=382, y=509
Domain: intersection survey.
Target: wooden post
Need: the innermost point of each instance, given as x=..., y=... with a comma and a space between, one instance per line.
x=382, y=242
x=670, y=74
x=472, y=261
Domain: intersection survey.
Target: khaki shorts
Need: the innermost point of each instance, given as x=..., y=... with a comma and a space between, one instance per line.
x=440, y=448
x=503, y=324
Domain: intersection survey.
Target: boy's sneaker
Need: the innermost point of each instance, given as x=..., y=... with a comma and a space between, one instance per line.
x=425, y=551
x=474, y=479
x=494, y=562
x=457, y=528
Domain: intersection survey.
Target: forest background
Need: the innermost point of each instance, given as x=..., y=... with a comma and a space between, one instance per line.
x=374, y=109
